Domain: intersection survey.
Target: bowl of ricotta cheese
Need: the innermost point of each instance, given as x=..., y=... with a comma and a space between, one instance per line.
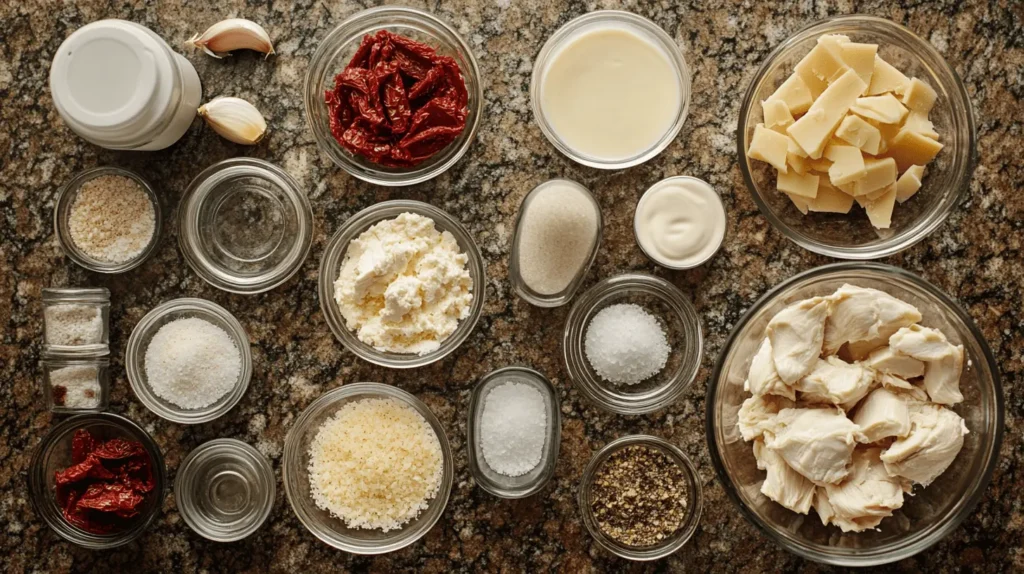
x=401, y=284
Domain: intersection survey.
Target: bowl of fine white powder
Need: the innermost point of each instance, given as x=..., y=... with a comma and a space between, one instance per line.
x=632, y=343
x=188, y=360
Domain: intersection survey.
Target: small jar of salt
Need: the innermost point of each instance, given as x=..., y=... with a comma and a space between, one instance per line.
x=76, y=384
x=76, y=321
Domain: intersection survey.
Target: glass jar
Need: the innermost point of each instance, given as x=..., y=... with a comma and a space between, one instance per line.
x=76, y=384
x=76, y=321
x=118, y=85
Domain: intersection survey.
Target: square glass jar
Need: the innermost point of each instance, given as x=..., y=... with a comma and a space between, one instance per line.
x=76, y=321
x=76, y=384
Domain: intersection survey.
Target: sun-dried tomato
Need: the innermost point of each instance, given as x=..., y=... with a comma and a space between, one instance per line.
x=111, y=497
x=91, y=467
x=116, y=448
x=82, y=444
x=388, y=101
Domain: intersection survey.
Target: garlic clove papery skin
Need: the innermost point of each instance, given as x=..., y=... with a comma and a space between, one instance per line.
x=235, y=120
x=233, y=34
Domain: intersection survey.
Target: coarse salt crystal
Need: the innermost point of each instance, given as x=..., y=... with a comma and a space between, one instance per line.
x=192, y=363
x=73, y=324
x=513, y=428
x=625, y=344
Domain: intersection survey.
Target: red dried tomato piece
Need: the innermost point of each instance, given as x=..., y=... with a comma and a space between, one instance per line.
x=91, y=467
x=136, y=474
x=117, y=448
x=429, y=141
x=109, y=497
x=81, y=445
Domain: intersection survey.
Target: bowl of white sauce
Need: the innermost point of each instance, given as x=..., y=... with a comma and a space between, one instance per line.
x=680, y=222
x=610, y=89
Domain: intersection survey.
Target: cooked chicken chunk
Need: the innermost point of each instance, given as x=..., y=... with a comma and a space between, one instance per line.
x=763, y=379
x=902, y=387
x=758, y=413
x=867, y=496
x=836, y=382
x=921, y=343
x=862, y=314
x=883, y=414
x=796, y=334
x=783, y=484
x=942, y=377
x=817, y=443
x=936, y=437
x=888, y=361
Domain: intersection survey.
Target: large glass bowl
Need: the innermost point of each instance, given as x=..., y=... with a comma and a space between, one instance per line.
x=334, y=256
x=331, y=530
x=851, y=236
x=335, y=52
x=932, y=512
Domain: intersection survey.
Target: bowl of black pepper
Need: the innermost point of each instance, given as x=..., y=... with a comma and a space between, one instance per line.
x=640, y=498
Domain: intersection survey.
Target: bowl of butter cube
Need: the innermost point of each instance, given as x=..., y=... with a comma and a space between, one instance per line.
x=856, y=138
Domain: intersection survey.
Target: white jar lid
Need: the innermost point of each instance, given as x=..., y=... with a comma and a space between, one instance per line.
x=108, y=81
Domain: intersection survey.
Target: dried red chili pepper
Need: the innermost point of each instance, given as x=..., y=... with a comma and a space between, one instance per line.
x=117, y=448
x=111, y=497
x=91, y=467
x=82, y=444
x=389, y=102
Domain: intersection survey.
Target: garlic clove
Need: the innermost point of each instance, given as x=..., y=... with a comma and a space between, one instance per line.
x=233, y=34
x=235, y=120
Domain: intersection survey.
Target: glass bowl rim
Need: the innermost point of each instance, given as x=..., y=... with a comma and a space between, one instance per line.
x=325, y=140
x=710, y=419
x=897, y=243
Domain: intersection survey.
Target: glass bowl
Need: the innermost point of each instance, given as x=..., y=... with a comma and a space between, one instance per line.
x=295, y=467
x=334, y=54
x=225, y=489
x=245, y=226
x=142, y=334
x=515, y=276
x=694, y=498
x=62, y=220
x=682, y=328
x=931, y=513
x=620, y=19
x=851, y=236
x=530, y=483
x=334, y=255
x=54, y=453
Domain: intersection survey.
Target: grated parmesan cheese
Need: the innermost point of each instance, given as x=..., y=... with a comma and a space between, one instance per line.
x=112, y=219
x=375, y=464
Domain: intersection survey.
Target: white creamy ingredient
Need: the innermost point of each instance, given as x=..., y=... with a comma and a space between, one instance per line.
x=680, y=222
x=610, y=93
x=404, y=286
x=556, y=235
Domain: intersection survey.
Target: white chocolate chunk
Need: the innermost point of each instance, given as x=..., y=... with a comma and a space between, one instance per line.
x=814, y=129
x=880, y=210
x=868, y=198
x=797, y=334
x=795, y=93
x=847, y=164
x=797, y=163
x=886, y=78
x=911, y=148
x=884, y=109
x=919, y=122
x=768, y=146
x=796, y=184
x=860, y=57
x=856, y=131
x=919, y=96
x=830, y=199
x=776, y=115
x=908, y=183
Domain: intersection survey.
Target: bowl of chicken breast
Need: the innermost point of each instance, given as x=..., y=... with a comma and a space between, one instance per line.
x=855, y=414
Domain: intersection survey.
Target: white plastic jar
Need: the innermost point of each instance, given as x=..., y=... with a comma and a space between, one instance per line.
x=118, y=85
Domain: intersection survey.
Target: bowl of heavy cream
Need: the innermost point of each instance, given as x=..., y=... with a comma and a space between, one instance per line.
x=610, y=89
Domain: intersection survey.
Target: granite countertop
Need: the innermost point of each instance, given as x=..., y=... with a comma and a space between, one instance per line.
x=976, y=257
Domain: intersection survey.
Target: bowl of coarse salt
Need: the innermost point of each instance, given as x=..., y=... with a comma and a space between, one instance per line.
x=188, y=360
x=632, y=343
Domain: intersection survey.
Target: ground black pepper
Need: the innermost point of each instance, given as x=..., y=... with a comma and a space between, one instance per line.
x=639, y=496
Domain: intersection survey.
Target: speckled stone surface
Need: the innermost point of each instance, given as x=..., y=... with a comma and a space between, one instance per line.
x=976, y=257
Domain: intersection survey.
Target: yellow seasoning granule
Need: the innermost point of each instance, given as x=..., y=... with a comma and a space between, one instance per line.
x=375, y=464
x=112, y=219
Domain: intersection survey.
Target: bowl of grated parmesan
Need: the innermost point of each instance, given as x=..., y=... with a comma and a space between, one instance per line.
x=367, y=468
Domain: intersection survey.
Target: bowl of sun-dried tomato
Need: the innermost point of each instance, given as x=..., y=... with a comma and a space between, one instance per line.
x=98, y=480
x=393, y=96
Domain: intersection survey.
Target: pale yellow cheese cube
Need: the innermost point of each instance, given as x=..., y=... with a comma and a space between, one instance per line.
x=919, y=96
x=884, y=109
x=776, y=115
x=880, y=173
x=823, y=62
x=880, y=210
x=820, y=165
x=794, y=148
x=814, y=129
x=856, y=131
x=919, y=122
x=847, y=164
x=848, y=188
x=814, y=84
x=801, y=203
x=886, y=78
x=879, y=192
x=908, y=183
x=769, y=146
x=833, y=41
x=830, y=200
x=805, y=185
x=860, y=57
x=795, y=93
x=911, y=148
x=797, y=163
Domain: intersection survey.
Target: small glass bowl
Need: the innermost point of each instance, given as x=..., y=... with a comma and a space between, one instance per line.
x=331, y=530
x=851, y=236
x=530, y=483
x=60, y=398
x=62, y=219
x=54, y=453
x=621, y=19
x=245, y=225
x=142, y=334
x=334, y=54
x=334, y=255
x=59, y=303
x=225, y=490
x=515, y=276
x=694, y=499
x=682, y=327
x=636, y=214
x=927, y=516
